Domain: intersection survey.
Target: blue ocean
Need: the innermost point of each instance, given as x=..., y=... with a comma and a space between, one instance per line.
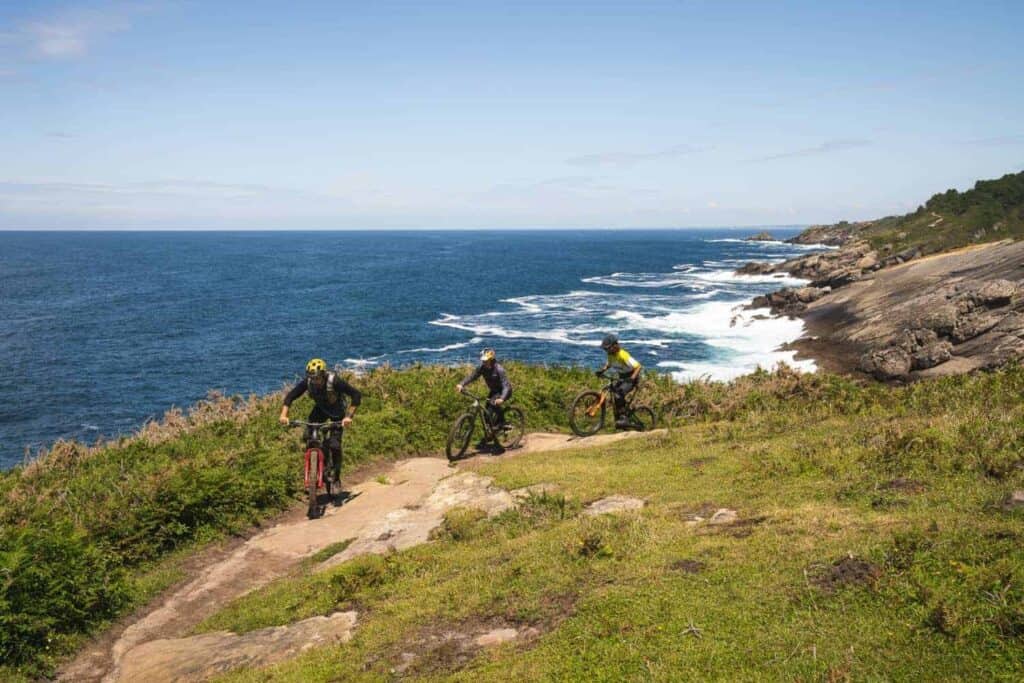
x=100, y=331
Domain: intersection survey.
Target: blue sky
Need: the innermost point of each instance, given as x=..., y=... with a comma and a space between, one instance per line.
x=185, y=114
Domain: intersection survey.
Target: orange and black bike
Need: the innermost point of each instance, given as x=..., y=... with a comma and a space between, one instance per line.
x=588, y=411
x=318, y=471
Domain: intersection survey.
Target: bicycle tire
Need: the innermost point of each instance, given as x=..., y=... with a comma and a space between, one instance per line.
x=515, y=428
x=312, y=488
x=459, y=436
x=642, y=418
x=580, y=419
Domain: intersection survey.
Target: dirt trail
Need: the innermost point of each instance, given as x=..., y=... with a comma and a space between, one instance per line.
x=376, y=517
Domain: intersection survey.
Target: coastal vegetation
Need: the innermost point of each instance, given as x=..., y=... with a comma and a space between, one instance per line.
x=990, y=211
x=873, y=534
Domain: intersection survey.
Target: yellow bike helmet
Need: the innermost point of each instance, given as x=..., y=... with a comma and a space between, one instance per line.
x=316, y=366
x=486, y=355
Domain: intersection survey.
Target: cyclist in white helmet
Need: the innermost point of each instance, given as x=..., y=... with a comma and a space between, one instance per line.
x=496, y=379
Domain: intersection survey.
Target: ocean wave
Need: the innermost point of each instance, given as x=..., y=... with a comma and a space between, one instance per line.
x=772, y=243
x=559, y=335
x=442, y=349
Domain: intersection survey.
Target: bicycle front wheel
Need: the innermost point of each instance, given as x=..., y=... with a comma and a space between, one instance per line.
x=586, y=416
x=459, y=437
x=512, y=432
x=314, y=468
x=643, y=418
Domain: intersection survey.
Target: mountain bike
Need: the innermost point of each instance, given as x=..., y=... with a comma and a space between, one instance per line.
x=318, y=471
x=506, y=436
x=588, y=410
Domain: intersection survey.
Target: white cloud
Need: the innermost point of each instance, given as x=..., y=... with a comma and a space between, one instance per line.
x=826, y=147
x=632, y=158
x=72, y=33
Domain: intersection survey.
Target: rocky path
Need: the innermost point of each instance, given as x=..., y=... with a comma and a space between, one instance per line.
x=395, y=510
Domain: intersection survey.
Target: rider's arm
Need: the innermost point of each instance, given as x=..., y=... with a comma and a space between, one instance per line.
x=471, y=377
x=298, y=390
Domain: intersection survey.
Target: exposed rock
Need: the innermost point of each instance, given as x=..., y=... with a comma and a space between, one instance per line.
x=908, y=254
x=763, y=236
x=205, y=656
x=1014, y=501
x=912, y=340
x=612, y=504
x=940, y=317
x=756, y=268
x=868, y=261
x=497, y=637
x=932, y=355
x=808, y=294
x=838, y=277
x=889, y=363
x=996, y=293
x=723, y=516
x=972, y=325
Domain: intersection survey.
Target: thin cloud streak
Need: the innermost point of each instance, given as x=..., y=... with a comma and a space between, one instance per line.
x=995, y=141
x=632, y=158
x=827, y=147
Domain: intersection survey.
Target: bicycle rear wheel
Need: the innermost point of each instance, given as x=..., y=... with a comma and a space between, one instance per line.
x=512, y=432
x=642, y=418
x=586, y=416
x=458, y=438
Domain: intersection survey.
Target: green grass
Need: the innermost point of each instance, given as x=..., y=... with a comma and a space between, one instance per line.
x=84, y=531
x=907, y=482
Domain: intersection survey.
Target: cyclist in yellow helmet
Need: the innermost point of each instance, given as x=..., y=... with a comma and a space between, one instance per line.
x=333, y=399
x=627, y=370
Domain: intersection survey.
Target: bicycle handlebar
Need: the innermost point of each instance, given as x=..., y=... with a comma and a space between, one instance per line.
x=303, y=423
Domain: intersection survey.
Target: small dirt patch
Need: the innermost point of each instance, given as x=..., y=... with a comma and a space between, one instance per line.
x=688, y=566
x=905, y=485
x=699, y=463
x=848, y=571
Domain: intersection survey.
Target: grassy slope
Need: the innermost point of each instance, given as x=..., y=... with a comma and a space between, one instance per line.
x=86, y=534
x=992, y=210
x=811, y=461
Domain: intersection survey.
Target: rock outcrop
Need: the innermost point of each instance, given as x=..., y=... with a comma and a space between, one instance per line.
x=948, y=318
x=762, y=236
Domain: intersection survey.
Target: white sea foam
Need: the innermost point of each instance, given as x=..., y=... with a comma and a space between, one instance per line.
x=774, y=243
x=440, y=349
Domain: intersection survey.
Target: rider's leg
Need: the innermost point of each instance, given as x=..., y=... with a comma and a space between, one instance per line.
x=621, y=390
x=497, y=412
x=334, y=444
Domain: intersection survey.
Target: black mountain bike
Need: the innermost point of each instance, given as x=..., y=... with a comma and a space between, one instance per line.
x=506, y=436
x=318, y=471
x=587, y=414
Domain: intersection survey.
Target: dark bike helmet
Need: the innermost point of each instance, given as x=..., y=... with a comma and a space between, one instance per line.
x=609, y=341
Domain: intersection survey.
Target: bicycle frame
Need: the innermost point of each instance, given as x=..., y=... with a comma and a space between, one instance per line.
x=606, y=391
x=479, y=408
x=315, y=449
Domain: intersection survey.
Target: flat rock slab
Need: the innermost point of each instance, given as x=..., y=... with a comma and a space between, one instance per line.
x=613, y=504
x=1014, y=501
x=497, y=637
x=411, y=525
x=205, y=656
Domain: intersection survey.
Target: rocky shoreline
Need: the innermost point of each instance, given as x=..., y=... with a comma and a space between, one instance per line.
x=902, y=316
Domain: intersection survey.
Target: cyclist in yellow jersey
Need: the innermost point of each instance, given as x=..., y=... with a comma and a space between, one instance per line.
x=626, y=368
